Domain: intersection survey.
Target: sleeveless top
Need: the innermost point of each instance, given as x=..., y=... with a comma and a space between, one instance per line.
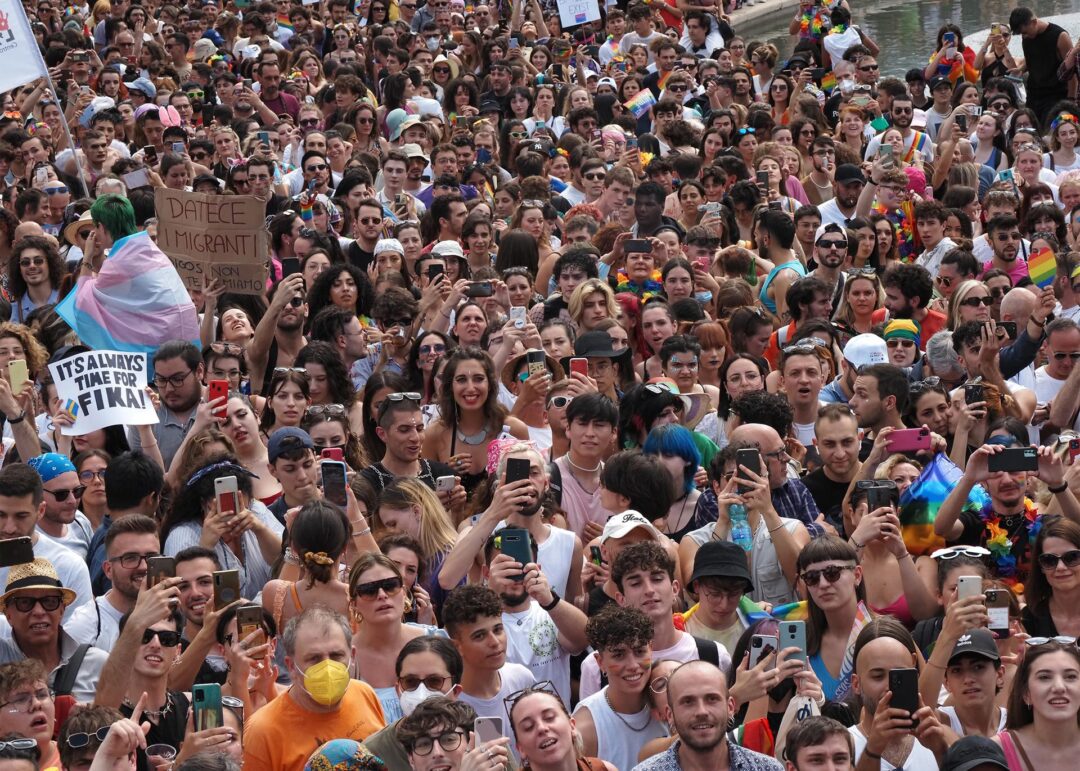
x=954, y=721
x=1041, y=57
x=556, y=555
x=617, y=742
x=763, y=295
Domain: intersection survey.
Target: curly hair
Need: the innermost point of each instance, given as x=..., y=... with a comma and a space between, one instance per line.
x=36, y=355
x=338, y=383
x=615, y=625
x=190, y=499
x=466, y=604
x=646, y=556
x=16, y=282
x=319, y=293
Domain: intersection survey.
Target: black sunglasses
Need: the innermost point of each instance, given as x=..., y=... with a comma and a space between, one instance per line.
x=167, y=637
x=371, y=589
x=1071, y=558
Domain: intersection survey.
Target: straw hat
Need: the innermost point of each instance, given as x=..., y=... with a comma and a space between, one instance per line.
x=39, y=574
x=71, y=232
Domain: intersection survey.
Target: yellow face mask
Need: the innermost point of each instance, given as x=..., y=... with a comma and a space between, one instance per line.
x=326, y=681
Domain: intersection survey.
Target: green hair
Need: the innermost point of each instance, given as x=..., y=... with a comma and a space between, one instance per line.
x=115, y=214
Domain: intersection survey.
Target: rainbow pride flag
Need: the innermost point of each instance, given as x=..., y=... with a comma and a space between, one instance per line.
x=920, y=503
x=1042, y=267
x=137, y=302
x=283, y=21
x=828, y=83
x=847, y=667
x=641, y=103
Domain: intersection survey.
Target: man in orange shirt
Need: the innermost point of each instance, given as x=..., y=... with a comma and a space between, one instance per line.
x=323, y=703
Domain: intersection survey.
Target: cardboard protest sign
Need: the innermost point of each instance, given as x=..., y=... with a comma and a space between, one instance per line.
x=103, y=388
x=575, y=12
x=214, y=237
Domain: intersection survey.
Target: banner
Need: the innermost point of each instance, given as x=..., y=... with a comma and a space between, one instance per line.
x=575, y=12
x=214, y=237
x=20, y=58
x=103, y=388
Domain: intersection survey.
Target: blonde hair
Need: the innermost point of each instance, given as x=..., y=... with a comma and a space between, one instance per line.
x=436, y=533
x=958, y=296
x=576, y=303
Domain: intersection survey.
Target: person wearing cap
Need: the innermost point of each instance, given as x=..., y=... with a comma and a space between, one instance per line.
x=291, y=460
x=61, y=519
x=940, y=107
x=975, y=753
x=719, y=580
x=395, y=170
x=848, y=183
x=141, y=91
x=499, y=92
x=969, y=666
x=819, y=742
x=616, y=723
x=529, y=390
x=607, y=367
x=34, y=602
x=418, y=164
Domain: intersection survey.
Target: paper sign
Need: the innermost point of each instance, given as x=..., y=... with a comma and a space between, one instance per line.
x=214, y=237
x=575, y=12
x=103, y=388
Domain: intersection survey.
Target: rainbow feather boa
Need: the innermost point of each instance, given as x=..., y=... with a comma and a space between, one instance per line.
x=1003, y=548
x=653, y=286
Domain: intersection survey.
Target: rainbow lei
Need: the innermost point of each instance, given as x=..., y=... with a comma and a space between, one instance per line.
x=653, y=286
x=812, y=25
x=903, y=220
x=839, y=29
x=1002, y=547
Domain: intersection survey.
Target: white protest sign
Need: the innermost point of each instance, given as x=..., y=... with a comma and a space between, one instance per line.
x=103, y=388
x=575, y=12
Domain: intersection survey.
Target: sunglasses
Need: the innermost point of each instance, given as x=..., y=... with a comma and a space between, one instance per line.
x=56, y=190
x=26, y=604
x=79, y=740
x=427, y=350
x=975, y=302
x=1062, y=355
x=282, y=371
x=231, y=349
x=1060, y=639
x=831, y=244
x=62, y=495
x=35, y=261
x=1071, y=558
x=167, y=637
x=371, y=589
x=317, y=167
x=559, y=402
x=336, y=410
x=310, y=122
x=900, y=343
x=831, y=574
x=952, y=552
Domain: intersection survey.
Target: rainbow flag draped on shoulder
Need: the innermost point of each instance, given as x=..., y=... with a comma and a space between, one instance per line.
x=137, y=302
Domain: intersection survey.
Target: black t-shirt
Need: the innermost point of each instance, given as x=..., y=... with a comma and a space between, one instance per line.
x=379, y=477
x=829, y=496
x=1040, y=624
x=360, y=257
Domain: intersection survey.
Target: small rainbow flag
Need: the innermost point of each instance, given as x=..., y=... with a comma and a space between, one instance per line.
x=1042, y=267
x=641, y=103
x=581, y=18
x=283, y=22
x=920, y=503
x=307, y=213
x=828, y=83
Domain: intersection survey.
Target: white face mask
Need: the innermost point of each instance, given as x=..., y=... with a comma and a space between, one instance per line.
x=409, y=700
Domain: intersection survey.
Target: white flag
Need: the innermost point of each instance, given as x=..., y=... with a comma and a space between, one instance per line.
x=20, y=59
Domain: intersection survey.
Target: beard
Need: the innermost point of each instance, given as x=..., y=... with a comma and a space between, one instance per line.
x=513, y=600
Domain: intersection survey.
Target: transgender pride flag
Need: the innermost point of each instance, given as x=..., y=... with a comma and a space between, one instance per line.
x=136, y=303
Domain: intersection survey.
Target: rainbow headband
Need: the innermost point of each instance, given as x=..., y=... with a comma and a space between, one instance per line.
x=1065, y=117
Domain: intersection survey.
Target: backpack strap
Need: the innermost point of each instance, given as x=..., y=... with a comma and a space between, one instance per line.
x=65, y=678
x=707, y=650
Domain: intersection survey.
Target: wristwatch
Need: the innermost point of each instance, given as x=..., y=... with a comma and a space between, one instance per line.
x=555, y=600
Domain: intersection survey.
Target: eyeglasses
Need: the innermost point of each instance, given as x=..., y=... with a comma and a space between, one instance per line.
x=18, y=744
x=310, y=122
x=35, y=261
x=558, y=402
x=776, y=454
x=659, y=685
x=677, y=87
x=900, y=343
x=595, y=176
x=431, y=682
x=79, y=740
x=1060, y=640
x=943, y=280
x=952, y=552
x=133, y=559
x=25, y=702
x=399, y=396
x=90, y=476
x=1071, y=558
x=172, y=380
x=62, y=495
x=1008, y=236
x=1062, y=355
x=167, y=637
x=544, y=686
x=449, y=741
x=975, y=302
x=332, y=410
x=832, y=244
x=831, y=574
x=371, y=589
x=26, y=604
x=427, y=350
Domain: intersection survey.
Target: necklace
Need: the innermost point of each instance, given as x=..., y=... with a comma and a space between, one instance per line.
x=679, y=520
x=473, y=439
x=599, y=465
x=154, y=714
x=624, y=721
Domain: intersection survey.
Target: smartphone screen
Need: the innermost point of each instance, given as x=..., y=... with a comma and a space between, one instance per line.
x=334, y=482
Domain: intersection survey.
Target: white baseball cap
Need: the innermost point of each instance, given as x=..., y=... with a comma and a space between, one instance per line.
x=620, y=525
x=866, y=349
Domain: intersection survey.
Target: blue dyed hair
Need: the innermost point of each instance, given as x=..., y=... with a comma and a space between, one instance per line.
x=676, y=441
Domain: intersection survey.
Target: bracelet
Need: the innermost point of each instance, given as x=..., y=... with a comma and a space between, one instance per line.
x=1036, y=322
x=856, y=544
x=1058, y=490
x=290, y=557
x=18, y=418
x=555, y=600
x=359, y=533
x=778, y=527
x=870, y=754
x=934, y=664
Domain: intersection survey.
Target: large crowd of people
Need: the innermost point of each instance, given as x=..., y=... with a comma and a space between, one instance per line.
x=631, y=395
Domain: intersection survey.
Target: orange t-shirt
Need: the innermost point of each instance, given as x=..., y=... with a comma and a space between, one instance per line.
x=282, y=735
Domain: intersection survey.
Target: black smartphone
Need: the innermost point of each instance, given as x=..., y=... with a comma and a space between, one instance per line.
x=434, y=270
x=817, y=73
x=158, y=569
x=750, y=458
x=997, y=608
x=595, y=555
x=226, y=588
x=479, y=289
x=879, y=495
x=150, y=155
x=763, y=179
x=1009, y=327
x=904, y=684
x=16, y=551
x=961, y=121
x=517, y=469
x=289, y=265
x=1013, y=459
x=973, y=393
x=637, y=245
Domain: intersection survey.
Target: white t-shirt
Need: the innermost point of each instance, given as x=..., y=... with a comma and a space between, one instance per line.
x=514, y=678
x=78, y=536
x=684, y=650
x=95, y=623
x=919, y=759
x=532, y=640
